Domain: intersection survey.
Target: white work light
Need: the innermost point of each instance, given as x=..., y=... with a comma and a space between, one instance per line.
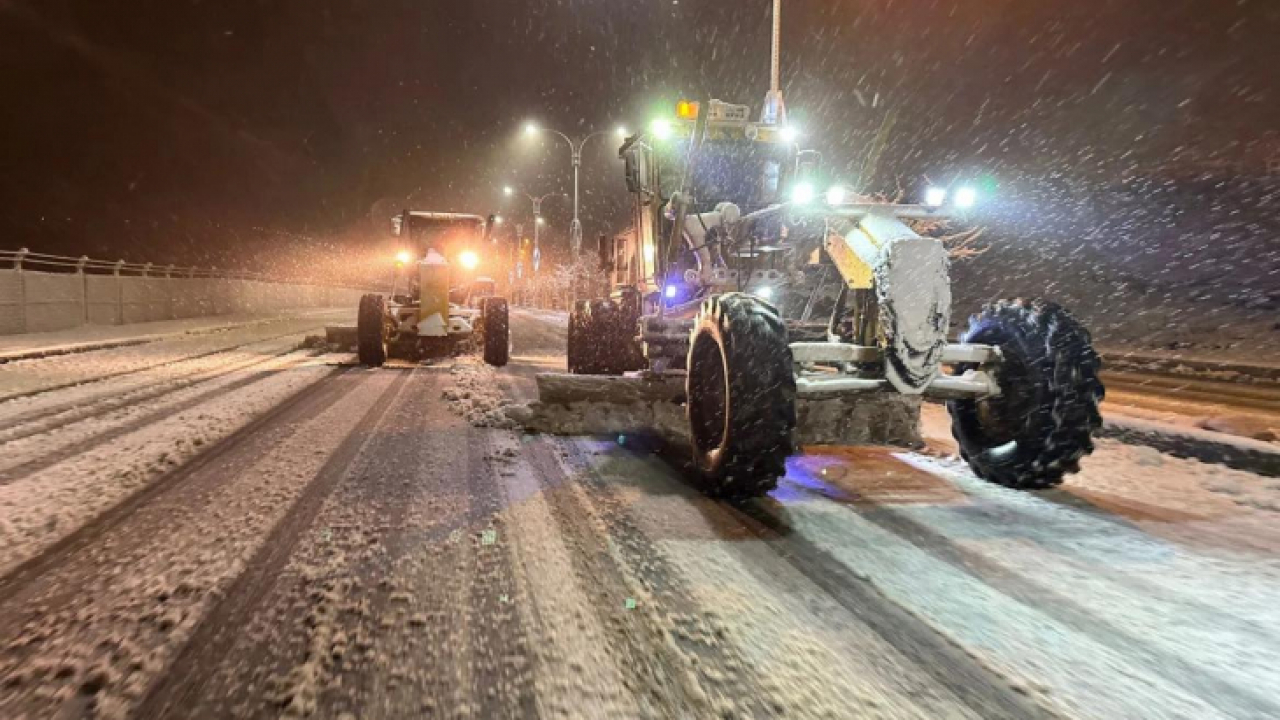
x=802, y=193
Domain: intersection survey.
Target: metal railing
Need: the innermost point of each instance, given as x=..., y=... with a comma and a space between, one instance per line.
x=25, y=259
x=40, y=292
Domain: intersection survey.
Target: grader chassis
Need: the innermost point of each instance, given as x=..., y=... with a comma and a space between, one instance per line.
x=708, y=336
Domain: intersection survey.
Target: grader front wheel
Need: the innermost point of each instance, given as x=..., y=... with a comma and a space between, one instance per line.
x=741, y=396
x=1040, y=425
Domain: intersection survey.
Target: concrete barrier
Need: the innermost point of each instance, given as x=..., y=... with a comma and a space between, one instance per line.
x=34, y=301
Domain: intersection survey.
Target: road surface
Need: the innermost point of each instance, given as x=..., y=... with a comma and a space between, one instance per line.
x=234, y=526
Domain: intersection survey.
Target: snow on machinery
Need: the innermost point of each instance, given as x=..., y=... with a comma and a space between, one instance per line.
x=733, y=254
x=416, y=318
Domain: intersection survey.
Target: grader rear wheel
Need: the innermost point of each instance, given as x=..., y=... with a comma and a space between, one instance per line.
x=370, y=331
x=575, y=354
x=741, y=396
x=602, y=339
x=496, y=331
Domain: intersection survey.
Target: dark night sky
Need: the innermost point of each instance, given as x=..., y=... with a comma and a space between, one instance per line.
x=188, y=130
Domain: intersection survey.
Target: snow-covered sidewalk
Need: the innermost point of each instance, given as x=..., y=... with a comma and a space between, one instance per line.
x=88, y=338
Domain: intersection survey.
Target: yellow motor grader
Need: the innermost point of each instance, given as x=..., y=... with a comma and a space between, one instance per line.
x=719, y=295
x=416, y=319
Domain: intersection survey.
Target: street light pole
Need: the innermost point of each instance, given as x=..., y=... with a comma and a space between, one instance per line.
x=537, y=213
x=575, y=227
x=575, y=155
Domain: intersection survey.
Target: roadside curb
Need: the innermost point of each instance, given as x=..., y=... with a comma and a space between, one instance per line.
x=1239, y=453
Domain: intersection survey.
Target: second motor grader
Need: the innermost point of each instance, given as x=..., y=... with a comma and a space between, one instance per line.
x=417, y=319
x=731, y=263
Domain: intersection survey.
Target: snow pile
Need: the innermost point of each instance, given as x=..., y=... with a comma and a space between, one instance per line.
x=476, y=394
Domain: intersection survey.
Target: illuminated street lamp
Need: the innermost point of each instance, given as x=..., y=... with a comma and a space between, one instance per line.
x=538, y=220
x=575, y=153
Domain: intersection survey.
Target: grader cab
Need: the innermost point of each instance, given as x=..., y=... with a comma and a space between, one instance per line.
x=773, y=315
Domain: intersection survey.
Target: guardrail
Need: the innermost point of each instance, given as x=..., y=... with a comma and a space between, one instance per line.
x=24, y=259
x=41, y=292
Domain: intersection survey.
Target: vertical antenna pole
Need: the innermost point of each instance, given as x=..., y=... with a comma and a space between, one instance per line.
x=774, y=112
x=775, y=84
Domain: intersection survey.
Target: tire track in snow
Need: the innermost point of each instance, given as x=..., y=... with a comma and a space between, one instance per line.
x=662, y=636
x=950, y=666
x=500, y=650
x=24, y=425
x=91, y=618
x=87, y=534
x=305, y=325
x=1232, y=699
x=402, y=598
x=105, y=435
x=176, y=692
x=1235, y=700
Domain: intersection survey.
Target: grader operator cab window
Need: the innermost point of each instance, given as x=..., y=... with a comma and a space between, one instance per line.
x=637, y=170
x=736, y=161
x=744, y=172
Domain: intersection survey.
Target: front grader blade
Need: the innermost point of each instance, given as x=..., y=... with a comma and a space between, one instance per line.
x=343, y=336
x=640, y=403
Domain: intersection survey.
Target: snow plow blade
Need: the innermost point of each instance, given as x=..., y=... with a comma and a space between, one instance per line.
x=636, y=404
x=343, y=336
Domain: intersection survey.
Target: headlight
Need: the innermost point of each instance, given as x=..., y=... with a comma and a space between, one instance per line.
x=835, y=195
x=966, y=197
x=935, y=196
x=802, y=193
x=661, y=129
x=403, y=257
x=469, y=260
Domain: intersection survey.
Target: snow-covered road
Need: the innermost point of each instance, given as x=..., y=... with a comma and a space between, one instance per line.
x=251, y=530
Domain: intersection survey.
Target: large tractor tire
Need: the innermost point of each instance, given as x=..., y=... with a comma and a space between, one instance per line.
x=576, y=350
x=371, y=345
x=1040, y=425
x=741, y=396
x=497, y=331
x=602, y=339
x=630, y=348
